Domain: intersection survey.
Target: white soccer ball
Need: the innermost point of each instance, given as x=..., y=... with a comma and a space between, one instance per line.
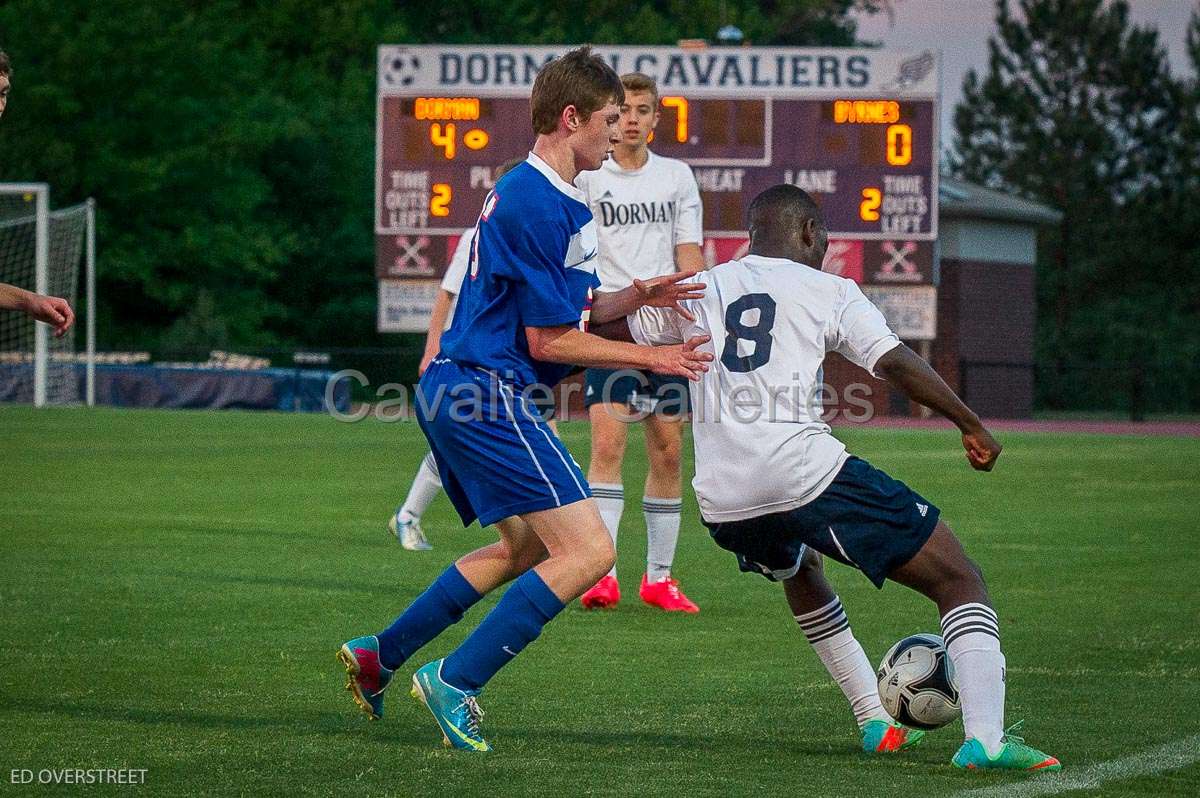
x=916, y=683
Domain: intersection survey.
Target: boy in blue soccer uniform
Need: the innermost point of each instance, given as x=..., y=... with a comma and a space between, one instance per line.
x=517, y=331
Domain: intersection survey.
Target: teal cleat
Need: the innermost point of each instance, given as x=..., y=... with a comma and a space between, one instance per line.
x=1014, y=754
x=881, y=737
x=367, y=676
x=457, y=712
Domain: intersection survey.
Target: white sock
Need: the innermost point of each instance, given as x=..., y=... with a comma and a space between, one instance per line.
x=425, y=487
x=662, y=533
x=829, y=632
x=610, y=498
x=972, y=636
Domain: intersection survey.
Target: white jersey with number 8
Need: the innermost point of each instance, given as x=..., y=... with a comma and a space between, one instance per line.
x=761, y=446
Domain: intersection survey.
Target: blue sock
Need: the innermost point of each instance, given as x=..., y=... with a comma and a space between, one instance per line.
x=440, y=606
x=514, y=623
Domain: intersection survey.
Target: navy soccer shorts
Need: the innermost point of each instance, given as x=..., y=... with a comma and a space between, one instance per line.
x=641, y=391
x=495, y=453
x=864, y=519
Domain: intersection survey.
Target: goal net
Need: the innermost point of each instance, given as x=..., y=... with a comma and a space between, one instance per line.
x=43, y=251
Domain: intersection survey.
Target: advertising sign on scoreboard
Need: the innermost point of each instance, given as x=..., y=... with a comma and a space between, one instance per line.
x=855, y=128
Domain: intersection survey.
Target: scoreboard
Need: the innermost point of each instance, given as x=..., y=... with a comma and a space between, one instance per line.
x=855, y=128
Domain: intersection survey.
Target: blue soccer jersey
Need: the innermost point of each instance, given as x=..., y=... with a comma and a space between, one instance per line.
x=533, y=264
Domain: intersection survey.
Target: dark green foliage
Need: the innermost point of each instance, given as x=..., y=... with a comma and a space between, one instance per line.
x=230, y=145
x=1078, y=110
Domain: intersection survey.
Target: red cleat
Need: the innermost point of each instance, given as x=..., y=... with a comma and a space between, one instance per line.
x=603, y=595
x=666, y=595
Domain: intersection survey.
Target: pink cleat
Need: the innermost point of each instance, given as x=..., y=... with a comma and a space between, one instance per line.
x=666, y=595
x=603, y=595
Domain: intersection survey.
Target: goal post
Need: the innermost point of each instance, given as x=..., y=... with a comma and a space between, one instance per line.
x=43, y=251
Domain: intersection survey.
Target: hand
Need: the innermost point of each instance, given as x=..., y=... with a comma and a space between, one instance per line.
x=982, y=449
x=668, y=291
x=682, y=360
x=52, y=310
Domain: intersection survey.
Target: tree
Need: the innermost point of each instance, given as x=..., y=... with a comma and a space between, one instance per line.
x=230, y=144
x=1078, y=110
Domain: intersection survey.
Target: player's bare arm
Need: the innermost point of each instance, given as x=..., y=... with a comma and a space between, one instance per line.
x=571, y=345
x=49, y=309
x=437, y=323
x=660, y=292
x=907, y=371
x=689, y=258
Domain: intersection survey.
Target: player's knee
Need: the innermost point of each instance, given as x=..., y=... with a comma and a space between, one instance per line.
x=600, y=555
x=810, y=567
x=664, y=456
x=607, y=451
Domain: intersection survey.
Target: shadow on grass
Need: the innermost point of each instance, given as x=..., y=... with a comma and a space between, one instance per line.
x=289, y=582
x=336, y=724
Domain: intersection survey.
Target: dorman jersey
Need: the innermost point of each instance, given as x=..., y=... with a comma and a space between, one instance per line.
x=761, y=446
x=641, y=216
x=532, y=264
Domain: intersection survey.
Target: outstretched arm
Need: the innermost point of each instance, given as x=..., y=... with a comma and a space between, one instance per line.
x=49, y=309
x=571, y=345
x=916, y=379
x=661, y=292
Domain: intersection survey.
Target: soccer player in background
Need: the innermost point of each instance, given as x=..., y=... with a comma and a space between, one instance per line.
x=49, y=309
x=648, y=214
x=518, y=328
x=772, y=317
x=405, y=522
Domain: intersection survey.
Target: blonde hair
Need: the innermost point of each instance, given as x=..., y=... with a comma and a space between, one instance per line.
x=636, y=81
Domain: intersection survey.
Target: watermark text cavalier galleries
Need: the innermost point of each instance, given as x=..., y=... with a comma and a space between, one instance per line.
x=78, y=776
x=494, y=398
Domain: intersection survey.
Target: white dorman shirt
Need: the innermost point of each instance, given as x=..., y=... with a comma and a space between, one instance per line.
x=641, y=216
x=761, y=446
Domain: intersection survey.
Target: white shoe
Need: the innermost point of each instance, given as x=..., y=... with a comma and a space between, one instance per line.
x=409, y=533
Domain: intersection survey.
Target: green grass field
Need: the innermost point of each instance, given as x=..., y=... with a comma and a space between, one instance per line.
x=175, y=584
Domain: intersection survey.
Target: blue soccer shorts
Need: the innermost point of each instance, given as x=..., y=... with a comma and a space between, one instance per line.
x=865, y=519
x=495, y=453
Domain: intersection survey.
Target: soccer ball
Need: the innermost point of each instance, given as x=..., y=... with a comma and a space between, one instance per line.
x=916, y=683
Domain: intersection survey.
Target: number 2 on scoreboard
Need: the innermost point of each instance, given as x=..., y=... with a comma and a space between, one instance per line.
x=868, y=209
x=439, y=201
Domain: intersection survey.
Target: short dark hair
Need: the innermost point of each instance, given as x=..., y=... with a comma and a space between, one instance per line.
x=637, y=81
x=580, y=78
x=779, y=208
x=5, y=64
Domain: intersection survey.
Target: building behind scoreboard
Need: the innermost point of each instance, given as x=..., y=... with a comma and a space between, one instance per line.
x=986, y=306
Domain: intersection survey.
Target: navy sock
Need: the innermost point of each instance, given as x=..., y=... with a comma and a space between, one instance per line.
x=440, y=606
x=514, y=623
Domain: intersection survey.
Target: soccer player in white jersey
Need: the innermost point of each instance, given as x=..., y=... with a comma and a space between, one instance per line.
x=405, y=522
x=773, y=316
x=648, y=213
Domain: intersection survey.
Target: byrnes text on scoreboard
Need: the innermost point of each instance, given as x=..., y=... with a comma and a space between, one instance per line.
x=856, y=128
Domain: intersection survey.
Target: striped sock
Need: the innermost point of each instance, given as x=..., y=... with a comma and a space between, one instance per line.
x=662, y=535
x=828, y=630
x=610, y=498
x=972, y=635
